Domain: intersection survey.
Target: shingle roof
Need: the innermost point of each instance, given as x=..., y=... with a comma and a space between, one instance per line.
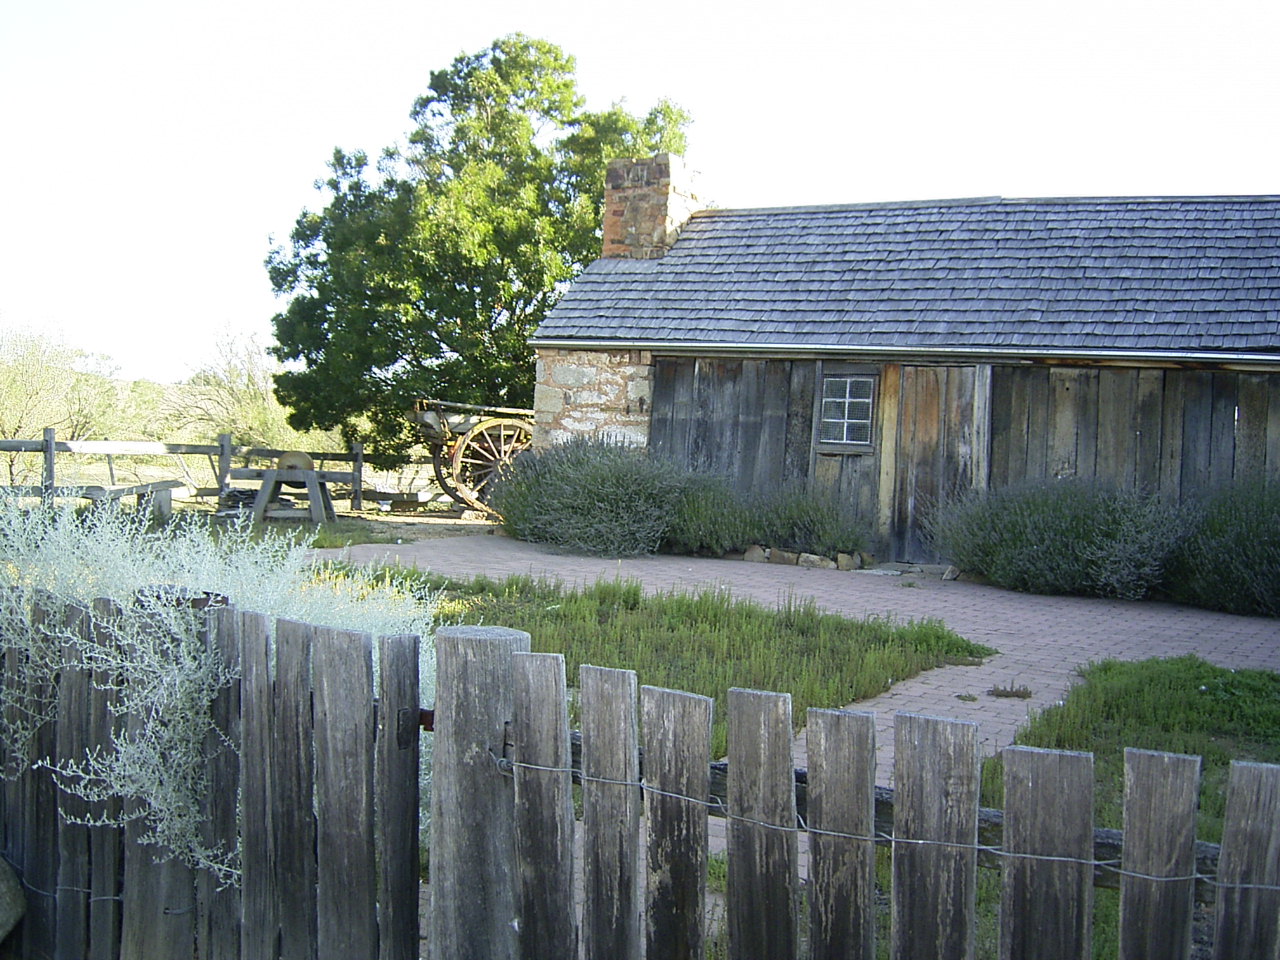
x=1187, y=274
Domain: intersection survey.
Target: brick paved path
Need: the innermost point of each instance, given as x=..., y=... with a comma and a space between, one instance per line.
x=1042, y=640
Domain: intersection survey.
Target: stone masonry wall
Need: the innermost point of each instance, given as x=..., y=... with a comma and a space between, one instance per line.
x=646, y=202
x=592, y=392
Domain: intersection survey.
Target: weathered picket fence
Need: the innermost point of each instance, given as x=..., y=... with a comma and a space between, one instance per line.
x=502, y=852
x=319, y=781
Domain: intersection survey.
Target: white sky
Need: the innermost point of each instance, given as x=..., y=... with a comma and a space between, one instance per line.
x=152, y=148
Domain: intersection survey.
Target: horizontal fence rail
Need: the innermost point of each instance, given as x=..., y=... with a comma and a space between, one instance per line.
x=645, y=875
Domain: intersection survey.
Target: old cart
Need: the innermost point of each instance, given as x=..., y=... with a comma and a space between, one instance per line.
x=471, y=444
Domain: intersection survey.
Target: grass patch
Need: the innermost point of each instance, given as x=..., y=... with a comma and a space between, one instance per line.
x=709, y=641
x=1178, y=705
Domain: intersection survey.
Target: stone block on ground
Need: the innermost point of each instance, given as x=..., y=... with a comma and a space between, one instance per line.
x=951, y=573
x=848, y=561
x=755, y=554
x=783, y=556
x=816, y=561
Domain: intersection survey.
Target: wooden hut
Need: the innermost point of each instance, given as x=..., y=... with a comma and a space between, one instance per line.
x=894, y=353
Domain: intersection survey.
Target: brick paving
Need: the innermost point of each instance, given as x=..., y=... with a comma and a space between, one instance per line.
x=1042, y=640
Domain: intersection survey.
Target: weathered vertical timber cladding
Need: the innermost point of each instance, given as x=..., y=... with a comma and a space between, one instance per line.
x=938, y=449
x=1180, y=432
x=749, y=420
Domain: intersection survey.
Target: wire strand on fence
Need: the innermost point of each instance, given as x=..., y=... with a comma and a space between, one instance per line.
x=507, y=767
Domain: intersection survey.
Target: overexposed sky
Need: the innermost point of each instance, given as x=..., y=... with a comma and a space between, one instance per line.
x=151, y=149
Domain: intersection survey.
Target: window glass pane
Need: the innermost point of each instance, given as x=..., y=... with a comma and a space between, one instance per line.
x=847, y=403
x=860, y=388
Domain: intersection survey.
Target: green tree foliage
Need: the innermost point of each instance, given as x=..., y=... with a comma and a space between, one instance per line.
x=426, y=279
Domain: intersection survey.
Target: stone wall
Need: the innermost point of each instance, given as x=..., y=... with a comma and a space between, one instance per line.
x=592, y=392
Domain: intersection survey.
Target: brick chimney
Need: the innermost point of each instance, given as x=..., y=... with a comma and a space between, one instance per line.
x=646, y=202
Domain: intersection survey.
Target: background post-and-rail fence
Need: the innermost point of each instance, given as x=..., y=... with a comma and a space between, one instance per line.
x=502, y=871
x=221, y=457
x=327, y=784
x=326, y=781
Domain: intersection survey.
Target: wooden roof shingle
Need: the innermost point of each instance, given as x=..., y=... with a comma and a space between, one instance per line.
x=1185, y=275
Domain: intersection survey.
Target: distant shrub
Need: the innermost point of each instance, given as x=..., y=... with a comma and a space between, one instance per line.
x=1230, y=558
x=804, y=522
x=1060, y=537
x=592, y=496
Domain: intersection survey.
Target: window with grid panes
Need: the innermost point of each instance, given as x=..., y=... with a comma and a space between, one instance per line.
x=846, y=409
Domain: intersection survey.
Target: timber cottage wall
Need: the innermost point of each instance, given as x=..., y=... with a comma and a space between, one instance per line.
x=1135, y=341
x=942, y=429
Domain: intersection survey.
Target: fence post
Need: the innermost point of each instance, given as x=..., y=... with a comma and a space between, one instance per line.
x=1046, y=910
x=347, y=876
x=72, y=935
x=677, y=751
x=764, y=879
x=934, y=881
x=842, y=871
x=544, y=808
x=610, y=815
x=396, y=779
x=47, y=478
x=1160, y=798
x=218, y=906
x=357, y=477
x=224, y=462
x=1248, y=918
x=472, y=800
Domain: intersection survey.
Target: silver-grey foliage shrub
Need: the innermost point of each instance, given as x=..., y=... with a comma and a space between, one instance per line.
x=1230, y=558
x=1060, y=537
x=590, y=495
x=168, y=679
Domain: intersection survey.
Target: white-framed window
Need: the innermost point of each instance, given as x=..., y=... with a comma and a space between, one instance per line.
x=845, y=415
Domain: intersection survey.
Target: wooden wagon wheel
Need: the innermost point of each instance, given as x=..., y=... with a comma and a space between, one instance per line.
x=482, y=453
x=442, y=467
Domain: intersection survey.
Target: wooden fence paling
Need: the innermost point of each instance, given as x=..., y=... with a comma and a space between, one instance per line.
x=544, y=808
x=610, y=815
x=472, y=833
x=260, y=920
x=294, y=827
x=842, y=871
x=1248, y=920
x=218, y=904
x=396, y=790
x=106, y=853
x=40, y=806
x=1047, y=905
x=347, y=880
x=934, y=886
x=1160, y=799
x=763, y=849
x=74, y=875
x=677, y=746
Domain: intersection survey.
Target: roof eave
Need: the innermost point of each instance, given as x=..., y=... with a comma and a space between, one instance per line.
x=900, y=352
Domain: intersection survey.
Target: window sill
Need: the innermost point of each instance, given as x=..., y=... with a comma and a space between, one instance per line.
x=845, y=449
